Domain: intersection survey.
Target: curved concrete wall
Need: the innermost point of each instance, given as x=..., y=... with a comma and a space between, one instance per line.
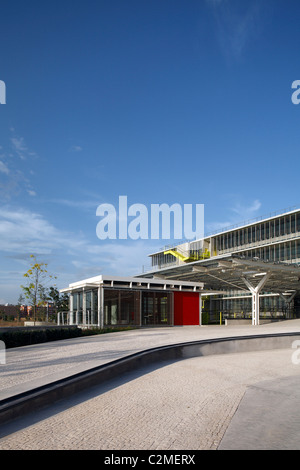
x=19, y=405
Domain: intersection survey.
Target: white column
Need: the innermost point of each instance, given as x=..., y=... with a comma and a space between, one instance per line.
x=71, y=309
x=92, y=308
x=84, y=307
x=255, y=308
x=200, y=310
x=288, y=300
x=78, y=308
x=255, y=295
x=100, y=307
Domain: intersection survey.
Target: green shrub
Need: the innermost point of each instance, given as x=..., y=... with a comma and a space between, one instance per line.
x=101, y=331
x=17, y=338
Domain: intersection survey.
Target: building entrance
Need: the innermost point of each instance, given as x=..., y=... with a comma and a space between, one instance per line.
x=157, y=308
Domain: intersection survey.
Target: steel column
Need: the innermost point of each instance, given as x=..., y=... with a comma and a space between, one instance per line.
x=255, y=296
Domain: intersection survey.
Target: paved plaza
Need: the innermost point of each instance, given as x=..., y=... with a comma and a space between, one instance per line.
x=228, y=401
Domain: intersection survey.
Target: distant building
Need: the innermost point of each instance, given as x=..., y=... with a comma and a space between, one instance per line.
x=10, y=310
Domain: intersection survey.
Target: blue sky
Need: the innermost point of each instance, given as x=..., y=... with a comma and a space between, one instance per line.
x=162, y=101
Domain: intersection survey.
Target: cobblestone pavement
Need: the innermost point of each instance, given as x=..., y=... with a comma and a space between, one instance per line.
x=183, y=405
x=187, y=404
x=31, y=366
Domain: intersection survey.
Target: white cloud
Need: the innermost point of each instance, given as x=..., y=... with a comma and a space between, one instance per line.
x=19, y=146
x=76, y=148
x=243, y=213
x=77, y=204
x=18, y=143
x=247, y=211
x=23, y=231
x=236, y=25
x=213, y=227
x=3, y=168
x=21, y=149
x=18, y=173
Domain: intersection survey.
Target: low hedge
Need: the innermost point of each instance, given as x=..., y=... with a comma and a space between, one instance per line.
x=17, y=338
x=14, y=339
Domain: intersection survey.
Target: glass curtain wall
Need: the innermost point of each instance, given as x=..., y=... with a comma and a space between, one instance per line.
x=157, y=308
x=92, y=307
x=264, y=231
x=125, y=307
x=91, y=316
x=270, y=306
x=288, y=251
x=121, y=307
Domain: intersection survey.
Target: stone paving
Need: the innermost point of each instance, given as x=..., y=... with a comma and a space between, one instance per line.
x=31, y=366
x=187, y=404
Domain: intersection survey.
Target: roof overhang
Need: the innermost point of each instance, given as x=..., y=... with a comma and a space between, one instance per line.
x=230, y=272
x=142, y=283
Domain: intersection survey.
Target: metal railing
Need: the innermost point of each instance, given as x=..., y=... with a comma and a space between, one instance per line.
x=77, y=317
x=269, y=242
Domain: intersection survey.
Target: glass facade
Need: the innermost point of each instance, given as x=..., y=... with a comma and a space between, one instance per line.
x=259, y=240
x=91, y=303
x=275, y=239
x=157, y=308
x=121, y=307
x=240, y=306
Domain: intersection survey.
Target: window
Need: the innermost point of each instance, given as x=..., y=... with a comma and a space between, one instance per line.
x=272, y=228
x=121, y=307
x=288, y=224
x=288, y=252
x=271, y=253
x=277, y=228
x=262, y=231
x=293, y=223
x=282, y=229
x=156, y=308
x=267, y=231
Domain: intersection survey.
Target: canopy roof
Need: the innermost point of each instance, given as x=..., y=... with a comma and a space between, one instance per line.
x=230, y=272
x=118, y=282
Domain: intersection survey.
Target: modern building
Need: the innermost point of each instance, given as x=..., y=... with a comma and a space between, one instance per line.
x=233, y=260
x=106, y=301
x=247, y=271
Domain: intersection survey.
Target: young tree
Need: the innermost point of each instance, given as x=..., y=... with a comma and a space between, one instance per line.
x=21, y=300
x=60, y=302
x=43, y=300
x=37, y=275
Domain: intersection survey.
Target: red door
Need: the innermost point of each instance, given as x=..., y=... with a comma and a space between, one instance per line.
x=186, y=308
